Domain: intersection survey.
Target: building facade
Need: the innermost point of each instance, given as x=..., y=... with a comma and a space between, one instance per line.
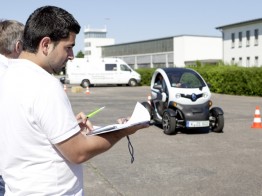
x=93, y=40
x=177, y=51
x=242, y=43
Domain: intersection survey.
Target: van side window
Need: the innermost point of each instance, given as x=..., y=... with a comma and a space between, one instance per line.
x=123, y=67
x=111, y=67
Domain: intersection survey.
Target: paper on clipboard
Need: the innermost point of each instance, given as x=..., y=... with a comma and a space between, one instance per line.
x=140, y=115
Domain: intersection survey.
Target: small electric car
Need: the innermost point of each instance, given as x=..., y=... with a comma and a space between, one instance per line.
x=180, y=99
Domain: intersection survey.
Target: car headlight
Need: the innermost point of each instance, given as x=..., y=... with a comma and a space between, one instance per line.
x=205, y=95
x=178, y=95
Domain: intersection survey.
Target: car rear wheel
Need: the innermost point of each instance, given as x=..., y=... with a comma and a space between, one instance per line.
x=169, y=123
x=216, y=120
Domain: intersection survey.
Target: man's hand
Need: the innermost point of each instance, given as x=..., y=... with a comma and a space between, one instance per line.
x=84, y=123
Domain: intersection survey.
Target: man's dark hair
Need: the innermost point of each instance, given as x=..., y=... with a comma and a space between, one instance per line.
x=48, y=21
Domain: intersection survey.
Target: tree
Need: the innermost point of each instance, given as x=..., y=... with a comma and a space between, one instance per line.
x=80, y=54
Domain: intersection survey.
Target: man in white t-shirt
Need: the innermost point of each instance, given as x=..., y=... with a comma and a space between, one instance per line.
x=3, y=64
x=43, y=143
x=11, y=33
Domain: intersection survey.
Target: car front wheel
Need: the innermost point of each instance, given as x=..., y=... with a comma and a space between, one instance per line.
x=169, y=123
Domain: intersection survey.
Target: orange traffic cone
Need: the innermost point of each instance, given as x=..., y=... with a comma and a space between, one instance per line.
x=65, y=87
x=87, y=90
x=149, y=99
x=257, y=119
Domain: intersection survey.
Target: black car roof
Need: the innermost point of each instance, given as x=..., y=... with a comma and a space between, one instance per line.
x=176, y=70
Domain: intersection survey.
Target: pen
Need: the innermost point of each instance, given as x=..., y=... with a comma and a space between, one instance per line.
x=94, y=112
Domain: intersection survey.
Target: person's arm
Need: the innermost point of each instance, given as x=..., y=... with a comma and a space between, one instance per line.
x=80, y=148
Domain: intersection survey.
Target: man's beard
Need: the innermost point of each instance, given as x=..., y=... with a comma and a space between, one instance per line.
x=56, y=70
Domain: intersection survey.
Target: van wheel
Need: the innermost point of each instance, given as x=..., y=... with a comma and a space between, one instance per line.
x=85, y=83
x=132, y=82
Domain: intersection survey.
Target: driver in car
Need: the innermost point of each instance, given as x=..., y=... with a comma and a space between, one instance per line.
x=174, y=80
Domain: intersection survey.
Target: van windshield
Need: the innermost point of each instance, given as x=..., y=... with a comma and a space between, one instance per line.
x=123, y=67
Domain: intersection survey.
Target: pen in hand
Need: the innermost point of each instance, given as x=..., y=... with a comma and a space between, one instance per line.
x=94, y=112
x=91, y=114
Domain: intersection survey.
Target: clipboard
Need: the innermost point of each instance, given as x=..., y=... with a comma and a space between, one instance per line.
x=140, y=115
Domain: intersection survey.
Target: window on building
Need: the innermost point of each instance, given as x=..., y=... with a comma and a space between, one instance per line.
x=240, y=39
x=240, y=61
x=88, y=52
x=88, y=44
x=256, y=37
x=232, y=40
x=248, y=38
x=233, y=61
x=95, y=34
x=248, y=62
x=256, y=61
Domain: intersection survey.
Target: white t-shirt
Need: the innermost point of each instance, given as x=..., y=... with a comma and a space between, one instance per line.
x=3, y=64
x=35, y=114
x=3, y=67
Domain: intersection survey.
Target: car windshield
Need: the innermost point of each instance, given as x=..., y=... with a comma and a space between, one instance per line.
x=186, y=80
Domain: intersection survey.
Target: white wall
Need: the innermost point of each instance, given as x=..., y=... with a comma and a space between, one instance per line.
x=95, y=46
x=245, y=51
x=193, y=48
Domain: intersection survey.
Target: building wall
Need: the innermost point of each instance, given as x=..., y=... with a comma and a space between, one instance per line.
x=196, y=48
x=92, y=48
x=153, y=60
x=94, y=39
x=167, y=52
x=143, y=54
x=233, y=53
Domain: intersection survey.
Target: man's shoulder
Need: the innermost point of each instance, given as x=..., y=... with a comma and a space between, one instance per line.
x=32, y=74
x=3, y=61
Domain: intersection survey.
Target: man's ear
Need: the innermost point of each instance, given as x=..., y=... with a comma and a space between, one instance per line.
x=45, y=45
x=18, y=47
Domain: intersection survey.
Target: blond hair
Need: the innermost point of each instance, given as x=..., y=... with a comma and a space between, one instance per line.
x=11, y=32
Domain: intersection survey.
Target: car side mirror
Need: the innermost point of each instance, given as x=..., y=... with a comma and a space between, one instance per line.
x=164, y=97
x=158, y=87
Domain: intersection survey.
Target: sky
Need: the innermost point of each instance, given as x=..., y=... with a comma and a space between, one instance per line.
x=137, y=20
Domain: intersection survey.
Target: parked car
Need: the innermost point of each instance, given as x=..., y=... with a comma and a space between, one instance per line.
x=181, y=99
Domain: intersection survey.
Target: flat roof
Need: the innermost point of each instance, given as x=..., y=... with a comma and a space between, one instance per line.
x=162, y=38
x=240, y=23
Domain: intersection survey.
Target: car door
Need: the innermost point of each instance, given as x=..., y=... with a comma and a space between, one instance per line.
x=160, y=93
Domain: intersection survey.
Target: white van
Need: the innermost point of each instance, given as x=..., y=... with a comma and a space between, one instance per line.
x=101, y=71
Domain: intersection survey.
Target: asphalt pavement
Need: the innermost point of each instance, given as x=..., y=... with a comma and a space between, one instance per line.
x=186, y=164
